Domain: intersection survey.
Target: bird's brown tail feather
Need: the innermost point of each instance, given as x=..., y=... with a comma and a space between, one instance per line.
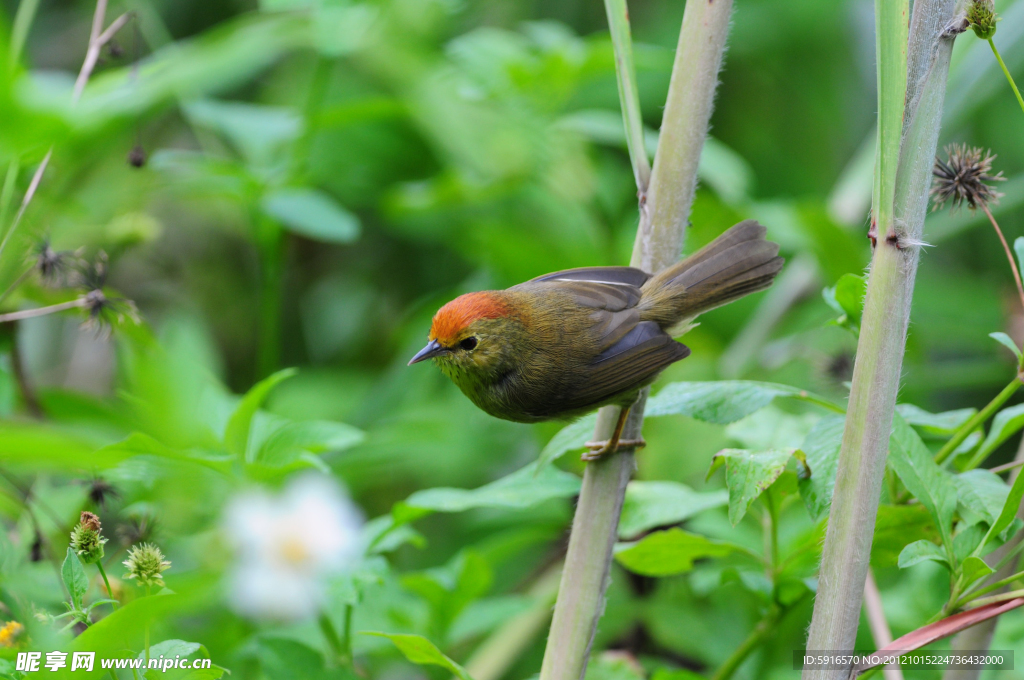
x=735, y=264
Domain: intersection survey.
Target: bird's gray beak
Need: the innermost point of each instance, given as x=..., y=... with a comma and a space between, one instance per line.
x=432, y=350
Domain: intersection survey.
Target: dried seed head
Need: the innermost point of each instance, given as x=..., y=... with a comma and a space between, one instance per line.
x=54, y=266
x=90, y=521
x=137, y=529
x=103, y=309
x=982, y=18
x=101, y=491
x=146, y=564
x=962, y=178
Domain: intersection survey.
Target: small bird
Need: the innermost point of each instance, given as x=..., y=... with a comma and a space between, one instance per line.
x=564, y=344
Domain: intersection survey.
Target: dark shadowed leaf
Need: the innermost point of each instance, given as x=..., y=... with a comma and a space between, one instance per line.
x=982, y=493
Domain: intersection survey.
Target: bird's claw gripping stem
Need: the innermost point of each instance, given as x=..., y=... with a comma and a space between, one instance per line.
x=599, y=450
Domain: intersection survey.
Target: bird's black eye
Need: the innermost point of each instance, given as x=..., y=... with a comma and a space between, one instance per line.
x=468, y=344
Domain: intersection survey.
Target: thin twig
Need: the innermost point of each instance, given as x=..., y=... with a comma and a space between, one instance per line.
x=1006, y=466
x=1009, y=253
x=878, y=623
x=77, y=303
x=1006, y=73
x=97, y=39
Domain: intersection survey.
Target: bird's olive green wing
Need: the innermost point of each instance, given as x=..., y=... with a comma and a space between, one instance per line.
x=627, y=353
x=632, y=362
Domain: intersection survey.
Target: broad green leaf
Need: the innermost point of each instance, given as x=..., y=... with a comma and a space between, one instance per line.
x=521, y=489
x=236, y=436
x=284, y=445
x=654, y=504
x=748, y=474
x=1007, y=514
x=721, y=402
x=968, y=541
x=821, y=451
x=1006, y=341
x=422, y=652
x=974, y=568
x=73, y=574
x=911, y=460
x=771, y=428
x=982, y=492
x=1006, y=423
x=938, y=424
x=311, y=213
x=171, y=648
x=921, y=551
x=124, y=627
x=572, y=436
x=669, y=552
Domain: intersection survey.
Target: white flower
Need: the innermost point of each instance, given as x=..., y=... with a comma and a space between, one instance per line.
x=287, y=545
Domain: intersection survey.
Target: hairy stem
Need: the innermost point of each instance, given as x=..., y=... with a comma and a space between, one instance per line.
x=664, y=211
x=43, y=311
x=912, y=83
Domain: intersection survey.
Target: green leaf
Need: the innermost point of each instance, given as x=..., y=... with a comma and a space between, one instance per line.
x=895, y=526
x=286, y=659
x=748, y=474
x=285, y=444
x=721, y=402
x=982, y=492
x=572, y=436
x=1007, y=514
x=313, y=214
x=974, y=568
x=654, y=504
x=911, y=460
x=521, y=489
x=921, y=551
x=1005, y=340
x=73, y=574
x=943, y=424
x=1006, y=423
x=669, y=552
x=171, y=648
x=236, y=435
x=422, y=652
x=847, y=298
x=260, y=133
x=614, y=666
x=821, y=451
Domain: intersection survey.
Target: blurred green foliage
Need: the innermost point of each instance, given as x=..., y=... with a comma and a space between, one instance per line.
x=321, y=175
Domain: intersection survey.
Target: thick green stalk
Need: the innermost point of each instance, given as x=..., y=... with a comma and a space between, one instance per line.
x=760, y=633
x=901, y=199
x=664, y=211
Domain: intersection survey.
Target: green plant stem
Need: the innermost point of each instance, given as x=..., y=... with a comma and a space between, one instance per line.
x=1002, y=597
x=23, y=19
x=664, y=211
x=7, y=192
x=912, y=72
x=772, y=533
x=1006, y=72
x=968, y=597
x=271, y=243
x=341, y=645
x=976, y=421
x=103, y=573
x=761, y=631
x=43, y=311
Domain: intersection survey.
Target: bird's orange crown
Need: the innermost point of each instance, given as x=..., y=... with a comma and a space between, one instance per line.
x=452, y=319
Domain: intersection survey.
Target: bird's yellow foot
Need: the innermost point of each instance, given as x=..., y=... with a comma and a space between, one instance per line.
x=598, y=450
